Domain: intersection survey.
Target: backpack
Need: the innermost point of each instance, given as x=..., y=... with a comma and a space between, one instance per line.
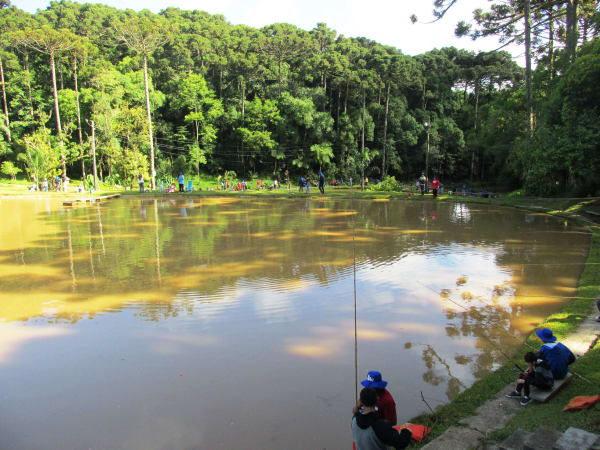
x=543, y=376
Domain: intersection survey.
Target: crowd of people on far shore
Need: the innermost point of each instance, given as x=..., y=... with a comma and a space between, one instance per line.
x=55, y=184
x=436, y=187
x=422, y=185
x=224, y=184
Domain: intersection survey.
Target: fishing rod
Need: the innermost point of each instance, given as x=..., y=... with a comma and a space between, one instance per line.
x=355, y=323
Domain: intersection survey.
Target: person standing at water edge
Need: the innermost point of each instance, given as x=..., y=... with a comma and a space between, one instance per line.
x=422, y=181
x=556, y=354
x=181, y=180
x=371, y=433
x=435, y=185
x=141, y=182
x=321, y=182
x=386, y=406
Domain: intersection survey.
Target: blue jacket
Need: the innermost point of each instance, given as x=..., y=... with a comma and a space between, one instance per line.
x=558, y=357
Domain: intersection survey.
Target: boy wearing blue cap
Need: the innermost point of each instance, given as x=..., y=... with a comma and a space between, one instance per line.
x=386, y=406
x=556, y=354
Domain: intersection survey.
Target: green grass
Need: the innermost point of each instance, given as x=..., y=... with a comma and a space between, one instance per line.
x=588, y=366
x=20, y=188
x=548, y=414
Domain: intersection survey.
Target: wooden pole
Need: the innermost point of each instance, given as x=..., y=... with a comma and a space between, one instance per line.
x=4, y=99
x=94, y=156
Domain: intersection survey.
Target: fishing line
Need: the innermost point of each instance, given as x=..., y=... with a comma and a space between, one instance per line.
x=355, y=323
x=495, y=345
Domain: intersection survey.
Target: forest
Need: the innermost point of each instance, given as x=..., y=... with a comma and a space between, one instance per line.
x=87, y=87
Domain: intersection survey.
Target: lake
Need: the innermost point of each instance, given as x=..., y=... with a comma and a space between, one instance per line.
x=228, y=322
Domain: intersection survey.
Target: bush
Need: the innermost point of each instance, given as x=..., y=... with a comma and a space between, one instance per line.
x=113, y=179
x=9, y=169
x=180, y=164
x=388, y=184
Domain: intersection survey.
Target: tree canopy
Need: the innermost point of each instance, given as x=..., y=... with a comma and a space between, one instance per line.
x=188, y=90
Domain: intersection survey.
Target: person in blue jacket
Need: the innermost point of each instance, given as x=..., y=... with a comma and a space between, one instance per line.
x=557, y=355
x=321, y=181
x=181, y=180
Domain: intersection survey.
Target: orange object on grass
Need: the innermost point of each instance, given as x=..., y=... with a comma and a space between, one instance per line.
x=581, y=402
x=418, y=431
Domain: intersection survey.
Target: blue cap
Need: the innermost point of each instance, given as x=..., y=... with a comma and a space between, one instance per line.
x=545, y=334
x=374, y=380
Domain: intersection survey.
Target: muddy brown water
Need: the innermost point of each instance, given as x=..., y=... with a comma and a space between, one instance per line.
x=212, y=323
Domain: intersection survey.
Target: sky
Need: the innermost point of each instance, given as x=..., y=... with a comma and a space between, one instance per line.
x=384, y=21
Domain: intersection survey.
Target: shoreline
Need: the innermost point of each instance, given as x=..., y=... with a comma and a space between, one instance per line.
x=565, y=324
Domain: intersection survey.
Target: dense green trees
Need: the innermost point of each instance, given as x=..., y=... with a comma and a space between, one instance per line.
x=187, y=90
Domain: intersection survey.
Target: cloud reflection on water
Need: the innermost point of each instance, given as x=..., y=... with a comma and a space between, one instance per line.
x=229, y=293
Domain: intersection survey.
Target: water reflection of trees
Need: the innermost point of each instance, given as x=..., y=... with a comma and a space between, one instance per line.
x=129, y=246
x=492, y=329
x=432, y=375
x=489, y=326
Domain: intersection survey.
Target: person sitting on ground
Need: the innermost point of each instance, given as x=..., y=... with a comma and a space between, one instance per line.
x=386, y=406
x=538, y=374
x=371, y=433
x=556, y=354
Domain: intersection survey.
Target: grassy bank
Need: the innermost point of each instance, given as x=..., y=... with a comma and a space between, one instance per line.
x=586, y=368
x=549, y=414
